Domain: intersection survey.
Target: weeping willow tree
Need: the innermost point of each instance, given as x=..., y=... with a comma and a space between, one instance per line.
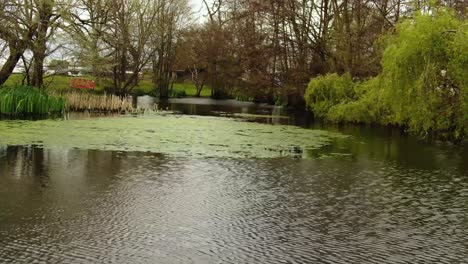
x=425, y=72
x=423, y=85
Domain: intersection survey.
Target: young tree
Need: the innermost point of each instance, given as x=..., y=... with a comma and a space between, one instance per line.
x=171, y=17
x=191, y=56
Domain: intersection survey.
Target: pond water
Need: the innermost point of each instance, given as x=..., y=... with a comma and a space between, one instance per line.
x=227, y=182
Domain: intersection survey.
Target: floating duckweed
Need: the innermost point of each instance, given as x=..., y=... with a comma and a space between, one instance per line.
x=169, y=134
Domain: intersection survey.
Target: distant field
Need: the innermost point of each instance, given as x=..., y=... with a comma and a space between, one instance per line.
x=190, y=89
x=60, y=83
x=56, y=82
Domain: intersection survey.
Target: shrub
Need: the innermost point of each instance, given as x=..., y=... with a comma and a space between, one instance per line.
x=326, y=91
x=369, y=107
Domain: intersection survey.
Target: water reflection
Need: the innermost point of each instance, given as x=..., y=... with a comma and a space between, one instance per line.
x=98, y=206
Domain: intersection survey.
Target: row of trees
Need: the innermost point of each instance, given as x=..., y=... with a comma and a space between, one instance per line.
x=268, y=50
x=125, y=38
x=117, y=39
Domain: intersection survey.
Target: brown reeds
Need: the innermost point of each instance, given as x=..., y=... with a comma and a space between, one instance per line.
x=77, y=101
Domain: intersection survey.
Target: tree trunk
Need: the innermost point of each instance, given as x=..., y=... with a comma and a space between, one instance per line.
x=10, y=64
x=38, y=70
x=40, y=45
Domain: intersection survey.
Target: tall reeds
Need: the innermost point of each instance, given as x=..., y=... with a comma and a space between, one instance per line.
x=24, y=100
x=81, y=101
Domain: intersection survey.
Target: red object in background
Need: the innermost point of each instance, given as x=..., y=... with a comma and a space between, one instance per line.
x=82, y=84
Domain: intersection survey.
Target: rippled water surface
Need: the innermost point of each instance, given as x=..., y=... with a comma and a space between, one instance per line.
x=359, y=195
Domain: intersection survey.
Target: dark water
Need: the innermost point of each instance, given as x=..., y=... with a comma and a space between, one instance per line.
x=390, y=199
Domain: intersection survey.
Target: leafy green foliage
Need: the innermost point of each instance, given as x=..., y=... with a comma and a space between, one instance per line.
x=326, y=91
x=369, y=107
x=28, y=100
x=423, y=85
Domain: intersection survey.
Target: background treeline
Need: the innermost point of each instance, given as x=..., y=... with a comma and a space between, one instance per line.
x=259, y=50
x=268, y=50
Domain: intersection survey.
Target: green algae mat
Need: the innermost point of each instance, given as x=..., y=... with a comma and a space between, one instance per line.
x=169, y=134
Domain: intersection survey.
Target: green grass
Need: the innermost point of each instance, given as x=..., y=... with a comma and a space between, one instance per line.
x=54, y=83
x=179, y=89
x=145, y=87
x=190, y=89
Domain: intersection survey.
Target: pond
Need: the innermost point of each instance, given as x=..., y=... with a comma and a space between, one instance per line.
x=227, y=182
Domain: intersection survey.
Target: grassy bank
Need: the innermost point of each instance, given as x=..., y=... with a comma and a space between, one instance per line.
x=423, y=85
x=61, y=83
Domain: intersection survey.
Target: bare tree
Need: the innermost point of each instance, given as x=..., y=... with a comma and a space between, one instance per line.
x=191, y=57
x=29, y=25
x=115, y=38
x=173, y=15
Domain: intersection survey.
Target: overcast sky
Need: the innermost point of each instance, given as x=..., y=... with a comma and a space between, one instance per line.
x=199, y=13
x=199, y=8
x=197, y=4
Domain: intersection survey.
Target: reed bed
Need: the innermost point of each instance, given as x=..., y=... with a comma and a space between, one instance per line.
x=25, y=100
x=78, y=101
